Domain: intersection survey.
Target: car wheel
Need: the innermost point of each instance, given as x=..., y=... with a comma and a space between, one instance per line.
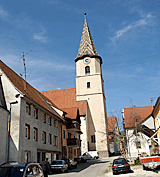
x=114, y=173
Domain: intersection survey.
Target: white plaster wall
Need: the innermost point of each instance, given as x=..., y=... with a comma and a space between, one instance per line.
x=149, y=123
x=84, y=144
x=30, y=144
x=3, y=135
x=18, y=143
x=132, y=150
x=9, y=93
x=97, y=121
x=95, y=67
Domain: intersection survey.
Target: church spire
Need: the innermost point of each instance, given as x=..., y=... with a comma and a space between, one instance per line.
x=86, y=45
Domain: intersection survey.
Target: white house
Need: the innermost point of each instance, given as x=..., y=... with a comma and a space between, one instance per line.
x=35, y=126
x=138, y=127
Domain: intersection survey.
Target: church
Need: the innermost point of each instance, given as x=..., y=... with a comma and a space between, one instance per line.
x=88, y=96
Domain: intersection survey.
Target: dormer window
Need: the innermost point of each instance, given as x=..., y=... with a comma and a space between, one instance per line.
x=87, y=70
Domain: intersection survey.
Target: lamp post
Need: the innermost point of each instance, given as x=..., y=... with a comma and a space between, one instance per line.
x=9, y=129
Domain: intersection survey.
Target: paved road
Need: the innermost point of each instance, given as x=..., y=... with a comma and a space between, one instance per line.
x=92, y=168
x=100, y=168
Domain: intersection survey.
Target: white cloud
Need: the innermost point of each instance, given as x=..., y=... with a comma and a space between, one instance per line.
x=40, y=36
x=3, y=13
x=143, y=22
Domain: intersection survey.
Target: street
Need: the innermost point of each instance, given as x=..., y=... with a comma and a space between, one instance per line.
x=91, y=168
x=100, y=168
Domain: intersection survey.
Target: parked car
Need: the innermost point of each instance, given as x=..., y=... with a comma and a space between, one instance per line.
x=94, y=154
x=60, y=165
x=14, y=169
x=86, y=156
x=120, y=165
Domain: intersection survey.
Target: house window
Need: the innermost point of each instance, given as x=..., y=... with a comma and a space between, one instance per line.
x=35, y=134
x=138, y=144
x=27, y=131
x=44, y=118
x=36, y=113
x=64, y=134
x=55, y=123
x=49, y=120
x=74, y=152
x=28, y=108
x=55, y=140
x=27, y=155
x=93, y=139
x=88, y=85
x=69, y=135
x=49, y=138
x=87, y=70
x=44, y=137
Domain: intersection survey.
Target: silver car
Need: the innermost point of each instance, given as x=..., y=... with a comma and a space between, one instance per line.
x=59, y=165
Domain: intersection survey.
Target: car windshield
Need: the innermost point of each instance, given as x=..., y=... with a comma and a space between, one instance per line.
x=11, y=171
x=120, y=161
x=57, y=162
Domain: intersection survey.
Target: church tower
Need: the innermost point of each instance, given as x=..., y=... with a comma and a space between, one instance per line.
x=90, y=87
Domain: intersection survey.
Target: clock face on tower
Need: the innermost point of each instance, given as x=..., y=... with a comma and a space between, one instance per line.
x=87, y=60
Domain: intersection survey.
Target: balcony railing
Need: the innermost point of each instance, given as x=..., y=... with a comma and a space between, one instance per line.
x=73, y=142
x=74, y=126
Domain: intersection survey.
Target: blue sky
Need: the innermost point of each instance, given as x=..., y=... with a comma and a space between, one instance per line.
x=126, y=34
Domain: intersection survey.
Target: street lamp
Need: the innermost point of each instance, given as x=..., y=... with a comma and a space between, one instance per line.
x=15, y=102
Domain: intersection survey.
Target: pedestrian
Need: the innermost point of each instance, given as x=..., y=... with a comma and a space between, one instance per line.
x=46, y=167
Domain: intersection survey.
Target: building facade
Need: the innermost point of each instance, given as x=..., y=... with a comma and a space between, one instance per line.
x=156, y=115
x=138, y=127
x=35, y=126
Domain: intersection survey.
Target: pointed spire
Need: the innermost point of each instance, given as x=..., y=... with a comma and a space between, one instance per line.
x=86, y=45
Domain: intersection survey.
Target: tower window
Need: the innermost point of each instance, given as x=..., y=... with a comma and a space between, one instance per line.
x=88, y=84
x=87, y=70
x=93, y=139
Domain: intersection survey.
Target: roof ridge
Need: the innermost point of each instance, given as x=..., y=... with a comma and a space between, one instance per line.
x=58, y=89
x=30, y=91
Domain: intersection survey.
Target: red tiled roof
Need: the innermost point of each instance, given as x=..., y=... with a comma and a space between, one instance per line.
x=139, y=113
x=111, y=123
x=66, y=98
x=30, y=91
x=71, y=112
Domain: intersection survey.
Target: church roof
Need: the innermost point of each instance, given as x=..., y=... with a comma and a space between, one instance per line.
x=87, y=47
x=66, y=98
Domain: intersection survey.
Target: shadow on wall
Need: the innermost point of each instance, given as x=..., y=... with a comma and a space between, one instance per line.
x=91, y=131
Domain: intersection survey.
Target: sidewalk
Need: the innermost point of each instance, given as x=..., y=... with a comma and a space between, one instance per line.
x=137, y=172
